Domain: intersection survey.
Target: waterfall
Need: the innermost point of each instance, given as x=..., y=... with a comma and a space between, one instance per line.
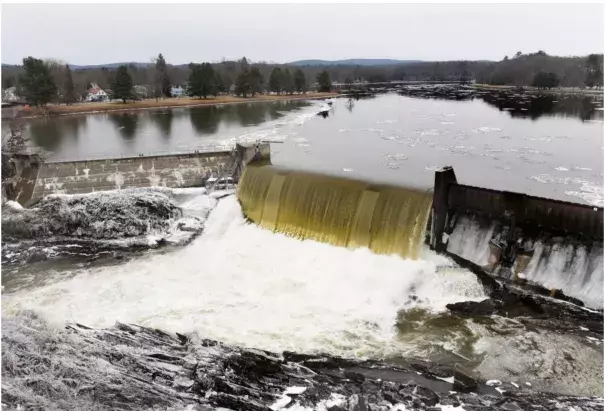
x=343, y=212
x=563, y=263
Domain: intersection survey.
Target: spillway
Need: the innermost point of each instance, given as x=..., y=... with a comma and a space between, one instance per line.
x=348, y=213
x=553, y=244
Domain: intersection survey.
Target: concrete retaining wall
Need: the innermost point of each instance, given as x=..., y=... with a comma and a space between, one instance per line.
x=78, y=177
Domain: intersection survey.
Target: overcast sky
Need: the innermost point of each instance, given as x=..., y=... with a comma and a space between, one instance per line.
x=106, y=33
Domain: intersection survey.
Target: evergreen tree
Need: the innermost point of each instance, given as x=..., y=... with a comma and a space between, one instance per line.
x=288, y=82
x=594, y=70
x=162, y=80
x=202, y=80
x=242, y=83
x=275, y=79
x=36, y=83
x=325, y=81
x=221, y=87
x=121, y=87
x=544, y=79
x=69, y=95
x=255, y=81
x=300, y=82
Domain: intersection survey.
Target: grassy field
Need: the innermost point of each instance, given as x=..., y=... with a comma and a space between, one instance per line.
x=162, y=103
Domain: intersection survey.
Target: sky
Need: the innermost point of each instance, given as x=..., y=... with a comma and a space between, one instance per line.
x=108, y=33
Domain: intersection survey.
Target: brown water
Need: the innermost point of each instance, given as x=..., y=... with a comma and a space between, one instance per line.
x=342, y=212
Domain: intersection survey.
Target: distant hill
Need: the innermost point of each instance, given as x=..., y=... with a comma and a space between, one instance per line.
x=348, y=62
x=85, y=67
x=352, y=62
x=109, y=65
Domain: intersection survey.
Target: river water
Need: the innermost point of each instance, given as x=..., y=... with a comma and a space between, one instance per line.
x=556, y=151
x=245, y=285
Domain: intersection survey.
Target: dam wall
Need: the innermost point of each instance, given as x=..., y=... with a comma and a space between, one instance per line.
x=530, y=214
x=192, y=169
x=518, y=237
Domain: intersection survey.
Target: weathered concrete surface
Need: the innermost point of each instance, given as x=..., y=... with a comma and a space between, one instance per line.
x=19, y=175
x=78, y=177
x=531, y=213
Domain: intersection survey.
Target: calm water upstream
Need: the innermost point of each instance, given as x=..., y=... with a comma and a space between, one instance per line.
x=556, y=152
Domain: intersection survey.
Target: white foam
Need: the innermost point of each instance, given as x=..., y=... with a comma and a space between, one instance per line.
x=471, y=241
x=576, y=270
x=241, y=284
x=13, y=205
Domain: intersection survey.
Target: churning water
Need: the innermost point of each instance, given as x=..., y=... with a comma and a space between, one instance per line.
x=242, y=284
x=284, y=284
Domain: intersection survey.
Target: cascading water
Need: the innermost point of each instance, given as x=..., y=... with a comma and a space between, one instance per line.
x=577, y=269
x=574, y=267
x=347, y=213
x=242, y=284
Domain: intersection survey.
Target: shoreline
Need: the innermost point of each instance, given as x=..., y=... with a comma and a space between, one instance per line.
x=98, y=108
x=533, y=90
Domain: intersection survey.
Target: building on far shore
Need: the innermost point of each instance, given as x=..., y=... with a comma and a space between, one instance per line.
x=141, y=91
x=96, y=93
x=177, y=91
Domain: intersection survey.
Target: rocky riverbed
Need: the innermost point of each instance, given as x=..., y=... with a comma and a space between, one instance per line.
x=128, y=367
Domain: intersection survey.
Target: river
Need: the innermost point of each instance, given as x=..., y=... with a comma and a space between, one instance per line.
x=553, y=150
x=245, y=285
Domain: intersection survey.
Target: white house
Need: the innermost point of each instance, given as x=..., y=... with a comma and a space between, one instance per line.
x=141, y=91
x=177, y=91
x=95, y=93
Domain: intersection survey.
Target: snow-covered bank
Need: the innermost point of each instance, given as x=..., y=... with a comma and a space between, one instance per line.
x=121, y=219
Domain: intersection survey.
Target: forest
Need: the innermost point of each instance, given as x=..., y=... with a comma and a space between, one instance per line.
x=521, y=69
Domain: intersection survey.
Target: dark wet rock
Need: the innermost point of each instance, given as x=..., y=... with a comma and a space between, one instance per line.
x=464, y=379
x=485, y=307
x=529, y=302
x=129, y=367
x=547, y=313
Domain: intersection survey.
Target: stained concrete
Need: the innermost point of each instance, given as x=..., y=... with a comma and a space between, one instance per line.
x=174, y=170
x=79, y=177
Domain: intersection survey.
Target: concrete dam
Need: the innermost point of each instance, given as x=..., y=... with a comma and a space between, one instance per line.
x=34, y=179
x=515, y=237
x=511, y=236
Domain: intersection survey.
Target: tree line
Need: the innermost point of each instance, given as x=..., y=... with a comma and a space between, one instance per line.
x=35, y=78
x=41, y=82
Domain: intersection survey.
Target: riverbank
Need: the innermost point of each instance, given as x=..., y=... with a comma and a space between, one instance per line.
x=531, y=90
x=91, y=108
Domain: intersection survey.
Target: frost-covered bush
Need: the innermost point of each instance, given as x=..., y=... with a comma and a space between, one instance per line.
x=103, y=215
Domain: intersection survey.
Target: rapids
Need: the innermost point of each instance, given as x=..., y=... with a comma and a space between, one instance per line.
x=248, y=286
x=245, y=285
